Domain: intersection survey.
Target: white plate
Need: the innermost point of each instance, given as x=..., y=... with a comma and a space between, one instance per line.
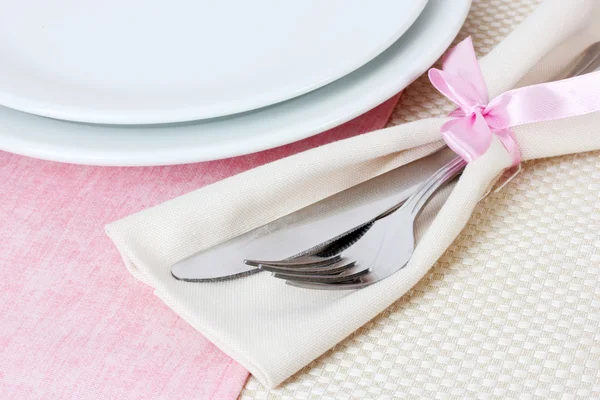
x=151, y=61
x=245, y=133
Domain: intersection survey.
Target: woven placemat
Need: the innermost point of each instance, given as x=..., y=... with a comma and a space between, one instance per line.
x=512, y=310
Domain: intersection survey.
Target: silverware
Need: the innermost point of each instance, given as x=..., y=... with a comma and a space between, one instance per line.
x=385, y=248
x=299, y=240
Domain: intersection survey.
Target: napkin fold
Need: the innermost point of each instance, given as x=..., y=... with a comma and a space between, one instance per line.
x=273, y=329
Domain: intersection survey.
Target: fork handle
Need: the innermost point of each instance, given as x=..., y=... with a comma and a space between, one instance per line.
x=421, y=196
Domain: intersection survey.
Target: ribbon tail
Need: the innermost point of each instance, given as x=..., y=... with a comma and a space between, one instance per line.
x=509, y=141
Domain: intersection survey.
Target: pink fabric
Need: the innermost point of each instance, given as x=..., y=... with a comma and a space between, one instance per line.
x=73, y=323
x=469, y=134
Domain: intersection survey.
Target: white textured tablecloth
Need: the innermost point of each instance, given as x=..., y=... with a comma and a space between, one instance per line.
x=512, y=309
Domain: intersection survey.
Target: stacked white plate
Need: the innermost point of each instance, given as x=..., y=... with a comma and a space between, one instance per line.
x=153, y=83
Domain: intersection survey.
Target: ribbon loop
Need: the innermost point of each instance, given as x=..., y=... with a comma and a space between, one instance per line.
x=477, y=119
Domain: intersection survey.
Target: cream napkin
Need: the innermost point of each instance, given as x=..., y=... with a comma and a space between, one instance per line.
x=273, y=329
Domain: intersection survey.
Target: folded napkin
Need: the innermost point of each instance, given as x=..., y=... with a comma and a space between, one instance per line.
x=273, y=329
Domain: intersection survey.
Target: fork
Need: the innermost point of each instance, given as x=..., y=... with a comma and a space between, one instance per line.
x=383, y=249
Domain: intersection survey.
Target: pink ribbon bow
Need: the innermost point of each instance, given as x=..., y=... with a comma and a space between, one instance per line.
x=476, y=119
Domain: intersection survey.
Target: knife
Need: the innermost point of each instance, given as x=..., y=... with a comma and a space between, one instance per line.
x=225, y=261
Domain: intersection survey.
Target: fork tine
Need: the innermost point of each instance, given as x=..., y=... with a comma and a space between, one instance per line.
x=335, y=268
x=323, y=278
x=351, y=285
x=310, y=261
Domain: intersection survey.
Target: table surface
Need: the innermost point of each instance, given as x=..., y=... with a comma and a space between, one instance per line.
x=77, y=325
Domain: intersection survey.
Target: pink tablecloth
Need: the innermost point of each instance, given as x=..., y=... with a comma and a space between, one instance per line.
x=73, y=322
